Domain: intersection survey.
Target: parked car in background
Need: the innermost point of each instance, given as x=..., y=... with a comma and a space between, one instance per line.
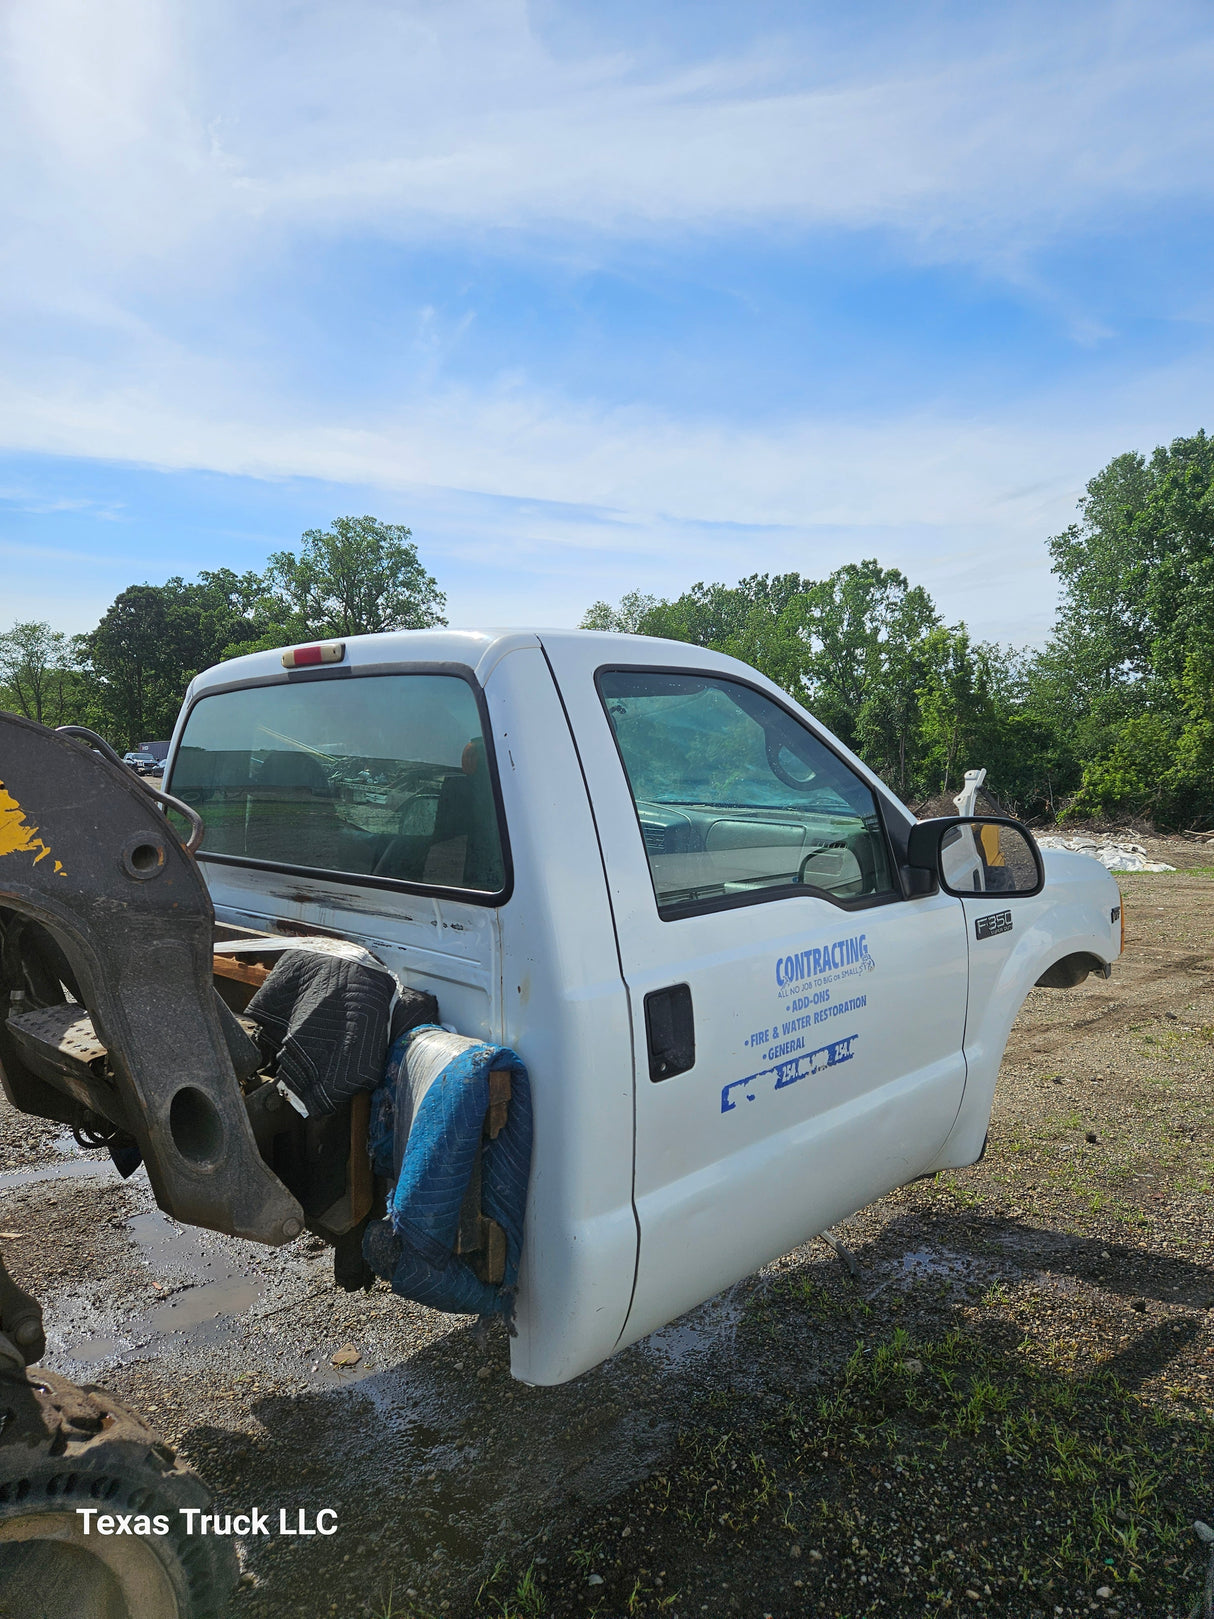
x=143, y=763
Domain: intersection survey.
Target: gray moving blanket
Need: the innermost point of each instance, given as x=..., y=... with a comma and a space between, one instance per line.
x=328, y=1020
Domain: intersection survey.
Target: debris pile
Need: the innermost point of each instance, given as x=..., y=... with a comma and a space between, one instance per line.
x=1113, y=855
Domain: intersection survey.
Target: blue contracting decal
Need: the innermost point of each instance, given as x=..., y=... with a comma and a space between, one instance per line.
x=788, y=1073
x=823, y=963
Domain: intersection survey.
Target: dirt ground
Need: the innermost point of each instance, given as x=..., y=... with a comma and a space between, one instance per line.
x=1009, y=1410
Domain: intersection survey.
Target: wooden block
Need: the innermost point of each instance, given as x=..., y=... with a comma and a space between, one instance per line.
x=359, y=1181
x=469, y=1238
x=491, y=1261
x=499, y=1101
x=242, y=972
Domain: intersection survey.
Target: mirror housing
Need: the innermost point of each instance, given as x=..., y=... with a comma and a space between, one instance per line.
x=917, y=881
x=975, y=855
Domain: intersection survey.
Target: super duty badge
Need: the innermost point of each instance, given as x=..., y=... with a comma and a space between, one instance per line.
x=986, y=927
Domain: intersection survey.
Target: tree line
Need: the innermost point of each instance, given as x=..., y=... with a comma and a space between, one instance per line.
x=126, y=678
x=1113, y=718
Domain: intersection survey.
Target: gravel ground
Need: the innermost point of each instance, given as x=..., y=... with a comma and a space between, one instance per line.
x=1009, y=1411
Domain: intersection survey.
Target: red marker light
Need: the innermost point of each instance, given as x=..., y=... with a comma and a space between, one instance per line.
x=299, y=657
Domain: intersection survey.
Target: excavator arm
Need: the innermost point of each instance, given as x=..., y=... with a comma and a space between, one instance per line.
x=108, y=1010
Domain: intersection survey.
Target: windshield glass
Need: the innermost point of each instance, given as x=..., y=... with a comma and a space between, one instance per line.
x=385, y=775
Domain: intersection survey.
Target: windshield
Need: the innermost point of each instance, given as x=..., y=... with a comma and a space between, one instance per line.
x=386, y=776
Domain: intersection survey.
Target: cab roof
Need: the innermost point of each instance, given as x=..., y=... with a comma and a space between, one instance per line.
x=477, y=650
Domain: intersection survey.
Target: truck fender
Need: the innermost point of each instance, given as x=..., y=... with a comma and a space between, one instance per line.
x=1074, y=931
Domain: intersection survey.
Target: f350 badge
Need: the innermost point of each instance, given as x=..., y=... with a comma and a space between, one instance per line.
x=986, y=927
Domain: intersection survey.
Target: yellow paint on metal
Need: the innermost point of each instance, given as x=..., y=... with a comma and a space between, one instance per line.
x=990, y=846
x=17, y=836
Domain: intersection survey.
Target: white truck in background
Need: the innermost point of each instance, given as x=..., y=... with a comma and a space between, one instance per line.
x=751, y=994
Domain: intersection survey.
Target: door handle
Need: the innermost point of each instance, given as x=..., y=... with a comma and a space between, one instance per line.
x=670, y=1031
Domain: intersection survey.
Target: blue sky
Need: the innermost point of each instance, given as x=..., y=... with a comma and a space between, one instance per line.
x=594, y=296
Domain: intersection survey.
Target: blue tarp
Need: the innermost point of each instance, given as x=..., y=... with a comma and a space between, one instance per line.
x=426, y=1132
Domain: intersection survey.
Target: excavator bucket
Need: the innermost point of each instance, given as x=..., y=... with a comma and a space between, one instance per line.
x=109, y=1019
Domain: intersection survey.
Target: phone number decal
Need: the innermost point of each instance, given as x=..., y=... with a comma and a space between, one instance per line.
x=788, y=1073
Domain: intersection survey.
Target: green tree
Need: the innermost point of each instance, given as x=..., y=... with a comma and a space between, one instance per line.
x=36, y=674
x=1103, y=620
x=1178, y=524
x=1135, y=622
x=959, y=714
x=742, y=620
x=625, y=619
x=154, y=639
x=357, y=577
x=140, y=677
x=727, y=618
x=866, y=629
x=208, y=614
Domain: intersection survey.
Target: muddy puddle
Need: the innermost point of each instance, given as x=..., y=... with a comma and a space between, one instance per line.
x=935, y=1264
x=943, y=1267
x=69, y=1162
x=68, y=1169
x=204, y=1294
x=710, y=1328
x=201, y=1291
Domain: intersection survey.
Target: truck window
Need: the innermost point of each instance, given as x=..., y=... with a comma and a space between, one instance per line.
x=384, y=776
x=736, y=798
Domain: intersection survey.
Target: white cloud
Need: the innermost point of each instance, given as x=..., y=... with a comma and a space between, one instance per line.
x=143, y=130
x=628, y=493
x=627, y=460
x=154, y=154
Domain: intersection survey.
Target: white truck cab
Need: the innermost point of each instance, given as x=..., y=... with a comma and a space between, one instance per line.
x=751, y=994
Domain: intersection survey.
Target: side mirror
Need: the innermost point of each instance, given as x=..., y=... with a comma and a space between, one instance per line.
x=976, y=855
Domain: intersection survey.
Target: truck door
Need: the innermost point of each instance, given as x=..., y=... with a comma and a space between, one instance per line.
x=797, y=1024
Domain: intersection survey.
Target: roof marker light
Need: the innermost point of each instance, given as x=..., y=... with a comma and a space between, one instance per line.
x=300, y=657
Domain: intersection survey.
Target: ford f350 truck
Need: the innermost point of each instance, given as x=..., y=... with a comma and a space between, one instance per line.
x=752, y=993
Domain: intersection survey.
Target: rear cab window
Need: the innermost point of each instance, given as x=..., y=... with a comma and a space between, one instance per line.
x=379, y=777
x=737, y=800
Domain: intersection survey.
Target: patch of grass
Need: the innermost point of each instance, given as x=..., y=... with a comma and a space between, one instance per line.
x=966, y=1196
x=816, y=1299
x=1198, y=1179
x=1090, y=1450
x=585, y=1558
x=1183, y=871
x=526, y=1601
x=1011, y=1146
x=1000, y=1462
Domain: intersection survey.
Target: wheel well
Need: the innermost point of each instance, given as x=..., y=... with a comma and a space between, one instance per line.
x=1073, y=969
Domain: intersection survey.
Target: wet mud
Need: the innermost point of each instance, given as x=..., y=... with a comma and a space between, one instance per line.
x=455, y=1488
